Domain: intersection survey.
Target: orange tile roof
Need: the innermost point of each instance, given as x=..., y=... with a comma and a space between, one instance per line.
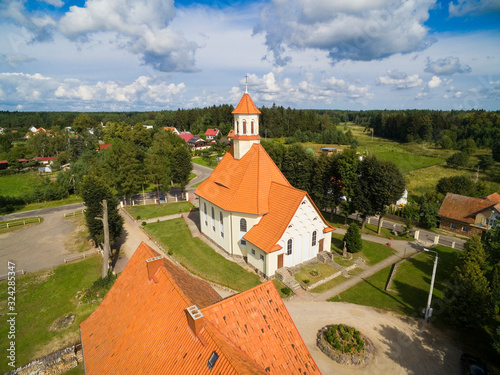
x=246, y=106
x=141, y=326
x=495, y=197
x=242, y=185
x=462, y=208
x=271, y=227
x=258, y=323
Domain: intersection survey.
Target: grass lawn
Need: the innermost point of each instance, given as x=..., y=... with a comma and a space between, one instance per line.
x=319, y=270
x=423, y=180
x=203, y=162
x=372, y=252
x=199, y=258
x=411, y=285
x=17, y=185
x=62, y=202
x=41, y=298
x=334, y=282
x=149, y=211
x=407, y=162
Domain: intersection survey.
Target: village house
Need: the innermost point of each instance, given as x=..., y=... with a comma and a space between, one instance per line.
x=171, y=129
x=159, y=319
x=211, y=133
x=250, y=210
x=469, y=216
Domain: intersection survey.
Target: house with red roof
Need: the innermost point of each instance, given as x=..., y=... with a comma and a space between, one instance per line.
x=212, y=133
x=186, y=136
x=248, y=207
x=103, y=146
x=171, y=129
x=159, y=319
x=469, y=216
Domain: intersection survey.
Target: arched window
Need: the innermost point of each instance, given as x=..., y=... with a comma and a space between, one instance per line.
x=289, y=247
x=314, y=238
x=252, y=128
x=243, y=229
x=205, y=212
x=221, y=224
x=244, y=126
x=213, y=219
x=237, y=127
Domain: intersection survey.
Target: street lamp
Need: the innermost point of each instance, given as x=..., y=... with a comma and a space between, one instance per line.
x=428, y=310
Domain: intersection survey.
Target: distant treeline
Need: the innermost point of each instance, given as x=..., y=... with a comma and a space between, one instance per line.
x=449, y=129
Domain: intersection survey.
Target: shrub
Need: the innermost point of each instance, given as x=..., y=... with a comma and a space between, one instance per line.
x=143, y=223
x=286, y=291
x=345, y=339
x=352, y=238
x=138, y=217
x=306, y=281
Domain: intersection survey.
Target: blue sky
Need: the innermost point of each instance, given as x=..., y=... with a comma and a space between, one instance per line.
x=139, y=55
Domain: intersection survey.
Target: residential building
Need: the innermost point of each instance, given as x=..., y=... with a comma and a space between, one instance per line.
x=249, y=209
x=171, y=129
x=211, y=133
x=469, y=216
x=159, y=319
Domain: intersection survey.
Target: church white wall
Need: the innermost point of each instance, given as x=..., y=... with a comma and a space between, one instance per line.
x=300, y=230
x=222, y=233
x=237, y=247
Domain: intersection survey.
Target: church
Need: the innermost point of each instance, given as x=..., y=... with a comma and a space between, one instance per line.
x=249, y=209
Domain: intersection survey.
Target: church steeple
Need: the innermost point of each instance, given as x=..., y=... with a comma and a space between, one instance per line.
x=246, y=126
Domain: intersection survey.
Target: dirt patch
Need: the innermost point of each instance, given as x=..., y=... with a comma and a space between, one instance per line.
x=44, y=276
x=77, y=240
x=62, y=322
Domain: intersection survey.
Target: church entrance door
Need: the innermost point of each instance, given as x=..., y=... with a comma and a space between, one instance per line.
x=280, y=261
x=321, y=245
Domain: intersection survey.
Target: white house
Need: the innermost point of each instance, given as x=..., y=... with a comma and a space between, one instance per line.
x=249, y=209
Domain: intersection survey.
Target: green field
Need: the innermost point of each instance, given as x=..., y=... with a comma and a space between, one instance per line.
x=150, y=211
x=203, y=162
x=17, y=185
x=41, y=298
x=407, y=162
x=199, y=258
x=411, y=285
x=372, y=252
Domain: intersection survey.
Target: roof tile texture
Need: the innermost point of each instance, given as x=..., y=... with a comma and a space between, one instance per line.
x=462, y=208
x=242, y=185
x=246, y=106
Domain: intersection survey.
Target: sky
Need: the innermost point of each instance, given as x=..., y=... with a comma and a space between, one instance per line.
x=149, y=55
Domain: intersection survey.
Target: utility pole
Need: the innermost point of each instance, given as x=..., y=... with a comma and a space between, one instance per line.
x=106, y=250
x=428, y=310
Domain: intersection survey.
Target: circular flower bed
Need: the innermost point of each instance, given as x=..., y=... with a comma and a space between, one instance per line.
x=344, y=344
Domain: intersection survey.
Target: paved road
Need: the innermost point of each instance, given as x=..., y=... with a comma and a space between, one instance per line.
x=402, y=345
x=42, y=211
x=38, y=246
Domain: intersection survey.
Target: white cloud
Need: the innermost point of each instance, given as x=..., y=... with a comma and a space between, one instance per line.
x=39, y=27
x=434, y=82
x=56, y=3
x=474, y=7
x=14, y=59
x=143, y=23
x=446, y=66
x=346, y=29
x=20, y=87
x=399, y=80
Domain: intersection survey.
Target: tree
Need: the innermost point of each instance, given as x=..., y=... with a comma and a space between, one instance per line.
x=181, y=165
x=298, y=165
x=457, y=185
x=380, y=183
x=343, y=179
x=458, y=160
x=469, y=299
x=158, y=162
x=495, y=150
x=491, y=242
x=94, y=190
x=83, y=123
x=495, y=287
x=352, y=238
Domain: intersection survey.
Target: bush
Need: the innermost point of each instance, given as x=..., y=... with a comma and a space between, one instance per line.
x=286, y=291
x=306, y=281
x=138, y=217
x=143, y=223
x=345, y=339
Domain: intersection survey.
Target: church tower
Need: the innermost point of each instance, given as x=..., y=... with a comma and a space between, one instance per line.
x=246, y=126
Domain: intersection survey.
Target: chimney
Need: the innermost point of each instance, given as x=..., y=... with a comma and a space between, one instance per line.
x=195, y=319
x=153, y=264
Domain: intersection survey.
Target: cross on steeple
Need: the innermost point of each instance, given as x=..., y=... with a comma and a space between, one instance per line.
x=246, y=83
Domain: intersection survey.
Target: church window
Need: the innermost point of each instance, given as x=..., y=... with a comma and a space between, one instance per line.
x=252, y=128
x=244, y=127
x=221, y=224
x=314, y=238
x=237, y=127
x=289, y=247
x=243, y=229
x=205, y=213
x=213, y=219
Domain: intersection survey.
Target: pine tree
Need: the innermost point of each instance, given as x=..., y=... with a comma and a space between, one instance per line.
x=352, y=238
x=181, y=166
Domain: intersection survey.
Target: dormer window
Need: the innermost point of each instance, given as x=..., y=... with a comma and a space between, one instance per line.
x=211, y=361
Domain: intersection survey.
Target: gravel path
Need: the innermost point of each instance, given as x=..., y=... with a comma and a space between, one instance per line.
x=402, y=345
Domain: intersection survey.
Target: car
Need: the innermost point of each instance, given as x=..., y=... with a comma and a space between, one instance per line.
x=472, y=365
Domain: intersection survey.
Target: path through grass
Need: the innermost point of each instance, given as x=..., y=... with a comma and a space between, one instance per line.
x=199, y=258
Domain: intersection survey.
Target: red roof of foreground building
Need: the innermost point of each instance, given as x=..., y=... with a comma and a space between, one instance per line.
x=246, y=106
x=158, y=319
x=242, y=185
